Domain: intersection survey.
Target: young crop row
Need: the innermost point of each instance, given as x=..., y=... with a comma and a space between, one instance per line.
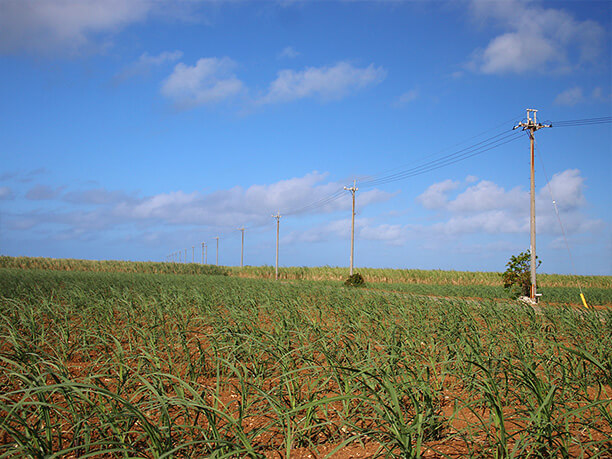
x=142, y=365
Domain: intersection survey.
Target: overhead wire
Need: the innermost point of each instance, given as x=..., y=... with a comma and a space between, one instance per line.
x=461, y=142
x=490, y=143
x=583, y=122
x=463, y=154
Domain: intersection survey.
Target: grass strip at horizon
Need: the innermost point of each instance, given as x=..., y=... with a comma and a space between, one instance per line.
x=371, y=275
x=165, y=364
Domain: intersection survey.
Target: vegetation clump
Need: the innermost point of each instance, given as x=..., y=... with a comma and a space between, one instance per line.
x=517, y=277
x=355, y=280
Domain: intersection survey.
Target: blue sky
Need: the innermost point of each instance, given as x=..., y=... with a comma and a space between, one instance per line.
x=135, y=129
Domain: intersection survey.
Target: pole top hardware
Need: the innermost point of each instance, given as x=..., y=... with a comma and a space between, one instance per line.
x=531, y=123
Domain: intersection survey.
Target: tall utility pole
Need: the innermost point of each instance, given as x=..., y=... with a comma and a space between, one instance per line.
x=217, y=238
x=352, y=189
x=531, y=125
x=203, y=245
x=242, y=249
x=185, y=255
x=277, y=216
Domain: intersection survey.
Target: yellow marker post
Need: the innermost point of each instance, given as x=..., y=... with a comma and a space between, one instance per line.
x=584, y=301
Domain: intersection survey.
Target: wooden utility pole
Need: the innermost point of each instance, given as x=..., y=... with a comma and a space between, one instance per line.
x=185, y=255
x=203, y=245
x=353, y=189
x=277, y=216
x=217, y=238
x=531, y=126
x=242, y=249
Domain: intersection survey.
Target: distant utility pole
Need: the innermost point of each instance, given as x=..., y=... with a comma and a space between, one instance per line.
x=531, y=125
x=352, y=189
x=217, y=238
x=277, y=216
x=203, y=245
x=242, y=249
x=185, y=255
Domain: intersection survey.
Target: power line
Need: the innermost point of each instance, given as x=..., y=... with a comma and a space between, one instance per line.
x=461, y=142
x=317, y=204
x=475, y=149
x=583, y=122
x=461, y=155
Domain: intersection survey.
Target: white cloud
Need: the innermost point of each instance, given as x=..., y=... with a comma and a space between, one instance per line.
x=288, y=52
x=407, y=97
x=146, y=63
x=599, y=96
x=491, y=222
x=488, y=208
x=571, y=96
x=436, y=196
x=341, y=229
x=326, y=83
x=487, y=196
x=209, y=81
x=537, y=39
x=567, y=190
x=36, y=25
x=391, y=234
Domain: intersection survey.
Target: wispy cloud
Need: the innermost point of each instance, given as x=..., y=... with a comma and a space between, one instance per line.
x=6, y=193
x=571, y=96
x=406, y=98
x=288, y=52
x=44, y=192
x=209, y=81
x=97, y=196
x=146, y=63
x=326, y=83
x=536, y=39
x=576, y=95
x=100, y=209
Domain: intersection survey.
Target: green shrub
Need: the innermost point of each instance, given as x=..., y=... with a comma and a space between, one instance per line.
x=517, y=277
x=355, y=280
